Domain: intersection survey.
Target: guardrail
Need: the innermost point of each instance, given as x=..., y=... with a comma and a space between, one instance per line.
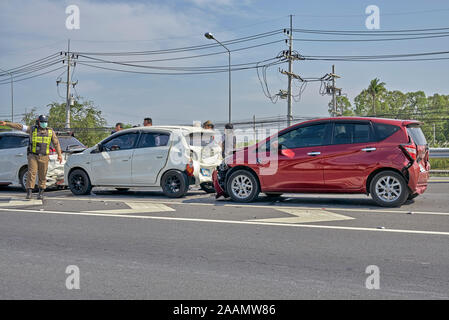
x=439, y=152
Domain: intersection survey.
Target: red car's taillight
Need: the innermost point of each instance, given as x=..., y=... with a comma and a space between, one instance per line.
x=52, y=151
x=190, y=169
x=409, y=150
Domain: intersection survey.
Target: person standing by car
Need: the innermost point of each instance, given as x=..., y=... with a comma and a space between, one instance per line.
x=208, y=125
x=118, y=127
x=147, y=122
x=228, y=140
x=38, y=152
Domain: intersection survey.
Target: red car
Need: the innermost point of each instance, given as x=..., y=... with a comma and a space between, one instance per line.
x=388, y=159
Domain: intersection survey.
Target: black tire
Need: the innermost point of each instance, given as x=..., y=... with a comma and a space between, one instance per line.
x=79, y=182
x=389, y=184
x=208, y=187
x=122, y=189
x=175, y=184
x=23, y=179
x=273, y=194
x=250, y=182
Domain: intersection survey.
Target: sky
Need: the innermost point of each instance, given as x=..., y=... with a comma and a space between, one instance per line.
x=34, y=29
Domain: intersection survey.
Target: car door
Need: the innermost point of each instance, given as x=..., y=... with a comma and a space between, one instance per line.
x=299, y=165
x=13, y=155
x=112, y=166
x=349, y=159
x=149, y=157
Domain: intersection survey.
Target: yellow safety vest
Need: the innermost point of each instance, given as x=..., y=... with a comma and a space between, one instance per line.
x=40, y=144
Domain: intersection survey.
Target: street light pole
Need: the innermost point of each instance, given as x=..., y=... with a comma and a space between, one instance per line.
x=209, y=35
x=12, y=95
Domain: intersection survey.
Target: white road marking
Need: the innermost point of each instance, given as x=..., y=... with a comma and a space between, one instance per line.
x=137, y=207
x=21, y=202
x=308, y=226
x=266, y=206
x=305, y=216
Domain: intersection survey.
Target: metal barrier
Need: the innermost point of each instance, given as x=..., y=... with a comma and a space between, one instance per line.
x=439, y=152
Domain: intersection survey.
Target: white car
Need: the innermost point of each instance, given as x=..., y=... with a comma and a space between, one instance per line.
x=167, y=157
x=14, y=162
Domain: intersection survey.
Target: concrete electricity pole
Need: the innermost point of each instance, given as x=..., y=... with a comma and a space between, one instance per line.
x=69, y=99
x=290, y=70
x=333, y=90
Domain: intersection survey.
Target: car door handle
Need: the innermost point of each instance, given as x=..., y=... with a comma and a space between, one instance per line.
x=316, y=153
x=125, y=160
x=19, y=155
x=159, y=157
x=369, y=149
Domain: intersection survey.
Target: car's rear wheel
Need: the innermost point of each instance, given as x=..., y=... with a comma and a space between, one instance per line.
x=242, y=186
x=79, y=182
x=23, y=176
x=388, y=189
x=175, y=184
x=208, y=187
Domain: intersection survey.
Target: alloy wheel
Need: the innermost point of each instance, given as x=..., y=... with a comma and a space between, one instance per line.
x=242, y=186
x=388, y=189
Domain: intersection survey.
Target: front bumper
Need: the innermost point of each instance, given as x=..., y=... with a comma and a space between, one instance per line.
x=219, y=180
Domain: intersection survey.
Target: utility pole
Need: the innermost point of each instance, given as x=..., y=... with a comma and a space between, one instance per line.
x=69, y=98
x=434, y=135
x=332, y=90
x=288, y=54
x=290, y=70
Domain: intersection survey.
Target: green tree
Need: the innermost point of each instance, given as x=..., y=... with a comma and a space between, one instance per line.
x=30, y=117
x=344, y=106
x=86, y=120
x=375, y=89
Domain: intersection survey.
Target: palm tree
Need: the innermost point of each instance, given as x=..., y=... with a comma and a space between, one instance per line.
x=375, y=89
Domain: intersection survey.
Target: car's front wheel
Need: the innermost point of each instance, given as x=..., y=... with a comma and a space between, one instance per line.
x=242, y=186
x=79, y=182
x=175, y=184
x=389, y=189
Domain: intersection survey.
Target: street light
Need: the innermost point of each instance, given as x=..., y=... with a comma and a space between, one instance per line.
x=12, y=95
x=210, y=36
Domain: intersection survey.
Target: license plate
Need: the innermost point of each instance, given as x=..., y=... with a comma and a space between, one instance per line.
x=205, y=172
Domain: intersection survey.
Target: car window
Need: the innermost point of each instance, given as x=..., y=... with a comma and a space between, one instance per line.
x=10, y=142
x=69, y=142
x=153, y=139
x=417, y=135
x=345, y=133
x=309, y=136
x=201, y=139
x=384, y=130
x=122, y=142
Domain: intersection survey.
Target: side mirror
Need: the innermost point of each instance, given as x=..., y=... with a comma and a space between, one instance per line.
x=284, y=151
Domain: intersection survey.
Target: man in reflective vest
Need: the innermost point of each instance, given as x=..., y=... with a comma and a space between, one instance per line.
x=38, y=152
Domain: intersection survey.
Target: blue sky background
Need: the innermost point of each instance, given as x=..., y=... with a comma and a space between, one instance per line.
x=32, y=29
